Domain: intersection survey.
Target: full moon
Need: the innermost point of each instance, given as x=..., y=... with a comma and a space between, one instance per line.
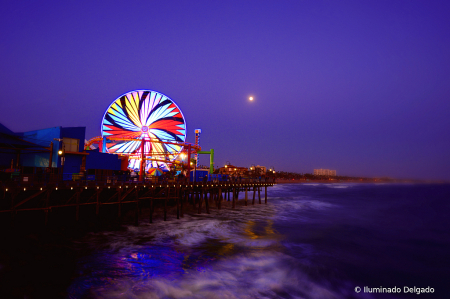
x=250, y=98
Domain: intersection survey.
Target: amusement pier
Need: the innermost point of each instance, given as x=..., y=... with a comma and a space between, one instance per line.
x=140, y=160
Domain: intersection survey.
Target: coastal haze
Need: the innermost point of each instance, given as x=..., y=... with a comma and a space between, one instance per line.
x=360, y=87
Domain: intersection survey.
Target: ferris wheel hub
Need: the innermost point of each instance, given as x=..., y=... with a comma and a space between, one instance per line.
x=144, y=129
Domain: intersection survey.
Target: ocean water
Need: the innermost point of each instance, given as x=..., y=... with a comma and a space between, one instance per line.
x=309, y=241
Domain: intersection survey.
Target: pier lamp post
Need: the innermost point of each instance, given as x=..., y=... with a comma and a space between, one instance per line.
x=61, y=153
x=50, y=160
x=253, y=169
x=195, y=162
x=183, y=163
x=272, y=169
x=227, y=165
x=183, y=157
x=272, y=172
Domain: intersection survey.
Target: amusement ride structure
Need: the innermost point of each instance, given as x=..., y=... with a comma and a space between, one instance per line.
x=149, y=129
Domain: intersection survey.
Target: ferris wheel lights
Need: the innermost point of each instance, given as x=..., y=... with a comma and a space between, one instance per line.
x=158, y=133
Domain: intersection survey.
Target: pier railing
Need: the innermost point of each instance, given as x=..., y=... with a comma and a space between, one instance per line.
x=55, y=178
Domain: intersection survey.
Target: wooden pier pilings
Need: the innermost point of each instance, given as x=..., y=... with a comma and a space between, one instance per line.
x=46, y=198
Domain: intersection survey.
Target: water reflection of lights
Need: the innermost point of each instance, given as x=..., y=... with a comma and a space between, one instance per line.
x=226, y=249
x=249, y=230
x=253, y=231
x=107, y=269
x=175, y=252
x=269, y=227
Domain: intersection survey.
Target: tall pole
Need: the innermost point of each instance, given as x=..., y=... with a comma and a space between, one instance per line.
x=197, y=141
x=211, y=161
x=104, y=150
x=195, y=170
x=141, y=166
x=18, y=158
x=51, y=155
x=189, y=163
x=63, y=159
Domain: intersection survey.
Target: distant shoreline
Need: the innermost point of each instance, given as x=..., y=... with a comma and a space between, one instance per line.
x=286, y=181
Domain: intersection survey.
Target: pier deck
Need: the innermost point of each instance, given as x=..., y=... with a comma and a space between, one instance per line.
x=15, y=198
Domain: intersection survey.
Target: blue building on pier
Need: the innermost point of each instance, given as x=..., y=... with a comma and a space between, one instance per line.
x=57, y=148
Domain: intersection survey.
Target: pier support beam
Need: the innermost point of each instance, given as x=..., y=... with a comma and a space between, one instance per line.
x=254, y=195
x=77, y=200
x=265, y=194
x=200, y=202
x=259, y=194
x=186, y=198
x=246, y=196
x=136, y=214
x=233, y=205
x=207, y=201
x=178, y=198
x=165, y=203
x=97, y=205
x=47, y=200
x=119, y=196
x=151, y=210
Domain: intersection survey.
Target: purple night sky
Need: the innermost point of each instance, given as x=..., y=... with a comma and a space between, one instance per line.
x=358, y=86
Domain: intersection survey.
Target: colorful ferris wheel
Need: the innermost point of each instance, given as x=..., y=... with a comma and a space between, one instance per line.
x=144, y=115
